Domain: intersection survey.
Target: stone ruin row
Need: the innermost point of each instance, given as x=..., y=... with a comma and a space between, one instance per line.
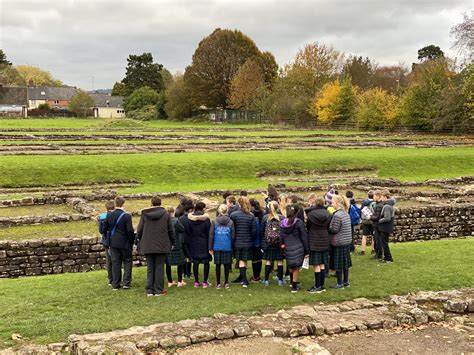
x=78, y=254
x=316, y=320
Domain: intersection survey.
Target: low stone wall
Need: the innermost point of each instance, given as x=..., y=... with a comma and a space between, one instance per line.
x=52, y=256
x=431, y=222
x=37, y=257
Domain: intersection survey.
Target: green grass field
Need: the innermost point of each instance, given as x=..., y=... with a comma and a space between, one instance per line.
x=200, y=171
x=48, y=308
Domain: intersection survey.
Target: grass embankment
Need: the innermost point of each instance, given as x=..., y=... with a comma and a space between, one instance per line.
x=50, y=230
x=49, y=308
x=200, y=171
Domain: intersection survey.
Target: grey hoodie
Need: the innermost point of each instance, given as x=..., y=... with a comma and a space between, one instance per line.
x=387, y=216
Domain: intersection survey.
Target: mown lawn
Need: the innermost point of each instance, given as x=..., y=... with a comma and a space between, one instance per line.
x=49, y=308
x=227, y=170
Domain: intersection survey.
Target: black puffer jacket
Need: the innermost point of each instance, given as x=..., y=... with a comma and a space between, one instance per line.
x=295, y=239
x=155, y=232
x=196, y=229
x=317, y=223
x=245, y=229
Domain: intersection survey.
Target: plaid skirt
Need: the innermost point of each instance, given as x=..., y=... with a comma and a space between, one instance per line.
x=223, y=257
x=175, y=257
x=340, y=258
x=243, y=254
x=273, y=254
x=257, y=254
x=319, y=257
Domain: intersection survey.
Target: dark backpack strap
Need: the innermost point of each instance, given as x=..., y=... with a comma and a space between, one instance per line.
x=116, y=224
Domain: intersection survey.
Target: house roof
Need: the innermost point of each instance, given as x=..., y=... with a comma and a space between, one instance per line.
x=13, y=95
x=104, y=100
x=51, y=93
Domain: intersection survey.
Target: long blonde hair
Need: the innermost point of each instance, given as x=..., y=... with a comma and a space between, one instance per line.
x=273, y=211
x=341, y=202
x=244, y=204
x=283, y=203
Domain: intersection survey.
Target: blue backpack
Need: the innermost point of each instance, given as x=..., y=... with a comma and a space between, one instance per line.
x=355, y=213
x=222, y=238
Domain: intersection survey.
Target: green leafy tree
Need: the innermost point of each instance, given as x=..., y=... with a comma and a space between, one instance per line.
x=3, y=58
x=36, y=76
x=145, y=113
x=245, y=84
x=167, y=77
x=419, y=106
x=10, y=76
x=118, y=89
x=144, y=96
x=177, y=102
x=216, y=60
x=160, y=106
x=430, y=52
x=376, y=109
x=81, y=104
x=360, y=70
x=141, y=71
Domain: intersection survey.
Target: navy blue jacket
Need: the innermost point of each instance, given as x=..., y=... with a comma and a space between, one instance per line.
x=124, y=236
x=245, y=229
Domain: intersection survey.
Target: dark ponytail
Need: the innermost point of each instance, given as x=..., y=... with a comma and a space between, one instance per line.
x=293, y=210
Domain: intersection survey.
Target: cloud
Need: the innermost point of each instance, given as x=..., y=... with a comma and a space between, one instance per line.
x=80, y=39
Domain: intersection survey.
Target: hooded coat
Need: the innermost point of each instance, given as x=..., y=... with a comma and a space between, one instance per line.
x=155, y=232
x=223, y=221
x=387, y=217
x=295, y=239
x=196, y=228
x=317, y=223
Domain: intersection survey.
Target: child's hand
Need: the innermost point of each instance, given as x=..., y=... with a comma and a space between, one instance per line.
x=211, y=252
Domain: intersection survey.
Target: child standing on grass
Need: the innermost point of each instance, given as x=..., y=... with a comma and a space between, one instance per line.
x=271, y=243
x=257, y=253
x=375, y=219
x=340, y=226
x=245, y=233
x=177, y=254
x=367, y=207
x=386, y=224
x=197, y=229
x=109, y=206
x=294, y=240
x=221, y=238
x=354, y=213
x=317, y=223
x=186, y=206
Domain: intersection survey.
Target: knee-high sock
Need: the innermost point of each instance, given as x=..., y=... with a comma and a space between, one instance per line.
x=206, y=272
x=280, y=272
x=346, y=276
x=268, y=270
x=339, y=277
x=180, y=273
x=243, y=274
x=317, y=279
x=218, y=274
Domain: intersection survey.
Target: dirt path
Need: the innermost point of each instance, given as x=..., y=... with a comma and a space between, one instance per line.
x=444, y=338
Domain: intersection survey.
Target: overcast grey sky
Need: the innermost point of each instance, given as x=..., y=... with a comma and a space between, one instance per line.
x=79, y=39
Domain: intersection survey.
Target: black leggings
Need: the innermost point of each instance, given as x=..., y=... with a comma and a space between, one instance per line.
x=196, y=271
x=180, y=273
x=226, y=273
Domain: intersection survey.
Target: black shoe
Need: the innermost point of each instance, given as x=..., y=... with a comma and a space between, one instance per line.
x=347, y=284
x=238, y=280
x=295, y=289
x=336, y=286
x=315, y=289
x=387, y=261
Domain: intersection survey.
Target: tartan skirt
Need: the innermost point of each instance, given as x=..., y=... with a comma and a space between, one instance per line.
x=340, y=258
x=273, y=253
x=175, y=257
x=223, y=257
x=257, y=254
x=243, y=254
x=319, y=257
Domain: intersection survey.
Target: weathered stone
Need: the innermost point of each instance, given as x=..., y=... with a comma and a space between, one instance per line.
x=201, y=336
x=317, y=329
x=403, y=318
x=242, y=330
x=435, y=316
x=182, y=341
x=148, y=345
x=360, y=326
x=332, y=329
x=456, y=306
x=281, y=332
x=347, y=326
x=167, y=342
x=224, y=333
x=389, y=323
x=267, y=333
x=57, y=347
x=187, y=323
x=419, y=316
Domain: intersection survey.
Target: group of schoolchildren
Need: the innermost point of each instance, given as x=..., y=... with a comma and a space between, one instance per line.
x=280, y=232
